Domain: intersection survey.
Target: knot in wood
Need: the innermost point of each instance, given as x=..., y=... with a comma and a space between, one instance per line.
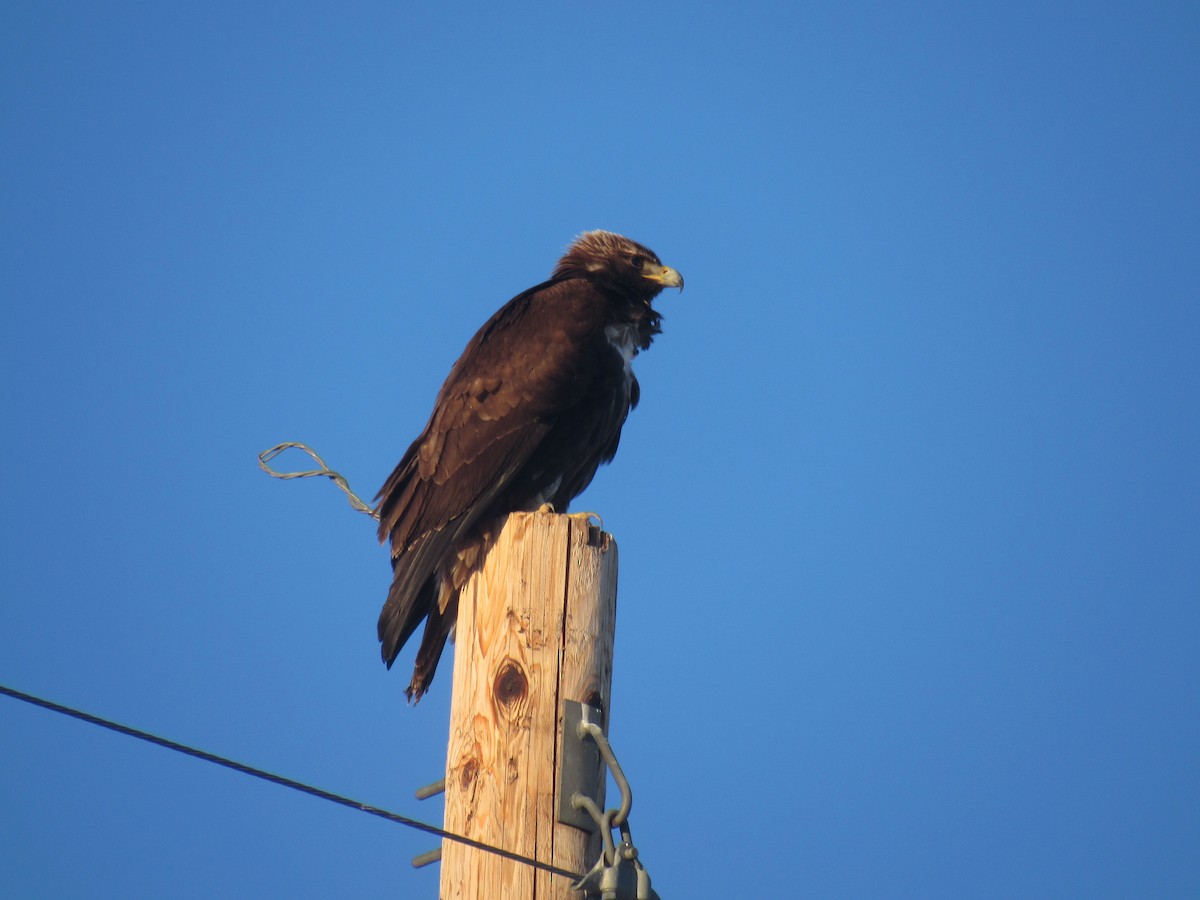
x=510, y=685
x=467, y=774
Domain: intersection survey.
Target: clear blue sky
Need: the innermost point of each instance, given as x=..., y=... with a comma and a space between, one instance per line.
x=909, y=516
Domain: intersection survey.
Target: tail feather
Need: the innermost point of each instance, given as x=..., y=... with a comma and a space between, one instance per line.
x=413, y=592
x=433, y=643
x=402, y=615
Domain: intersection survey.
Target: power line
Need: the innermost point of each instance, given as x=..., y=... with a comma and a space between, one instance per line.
x=282, y=781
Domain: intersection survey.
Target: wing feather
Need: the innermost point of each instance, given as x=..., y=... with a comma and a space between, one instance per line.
x=519, y=372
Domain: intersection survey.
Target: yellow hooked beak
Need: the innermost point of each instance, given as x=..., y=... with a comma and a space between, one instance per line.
x=664, y=275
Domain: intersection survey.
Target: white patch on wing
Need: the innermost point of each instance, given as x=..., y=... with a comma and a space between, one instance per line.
x=624, y=340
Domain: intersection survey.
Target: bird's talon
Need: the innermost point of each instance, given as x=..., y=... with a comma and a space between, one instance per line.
x=587, y=518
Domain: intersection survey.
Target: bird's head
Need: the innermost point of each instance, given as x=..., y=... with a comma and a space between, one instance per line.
x=617, y=262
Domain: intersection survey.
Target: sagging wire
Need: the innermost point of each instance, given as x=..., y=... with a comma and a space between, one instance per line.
x=281, y=780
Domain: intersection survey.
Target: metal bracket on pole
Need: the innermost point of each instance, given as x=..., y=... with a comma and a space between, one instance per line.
x=581, y=770
x=618, y=874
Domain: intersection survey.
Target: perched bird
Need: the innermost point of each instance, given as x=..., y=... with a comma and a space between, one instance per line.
x=528, y=413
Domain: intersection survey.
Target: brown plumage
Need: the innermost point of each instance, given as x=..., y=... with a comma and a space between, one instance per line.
x=528, y=413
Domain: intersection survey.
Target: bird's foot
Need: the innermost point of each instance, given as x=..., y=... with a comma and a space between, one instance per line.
x=586, y=517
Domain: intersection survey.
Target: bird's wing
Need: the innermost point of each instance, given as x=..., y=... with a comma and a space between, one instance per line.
x=498, y=400
x=520, y=371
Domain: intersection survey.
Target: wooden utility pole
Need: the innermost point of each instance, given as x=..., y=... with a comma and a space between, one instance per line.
x=535, y=629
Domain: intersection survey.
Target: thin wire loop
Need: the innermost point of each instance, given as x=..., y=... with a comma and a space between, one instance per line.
x=336, y=477
x=282, y=781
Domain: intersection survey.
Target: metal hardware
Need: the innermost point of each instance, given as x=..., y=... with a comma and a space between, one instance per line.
x=618, y=874
x=427, y=858
x=581, y=772
x=431, y=790
x=424, y=793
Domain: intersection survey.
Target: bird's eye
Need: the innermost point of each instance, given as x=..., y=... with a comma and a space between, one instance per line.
x=638, y=262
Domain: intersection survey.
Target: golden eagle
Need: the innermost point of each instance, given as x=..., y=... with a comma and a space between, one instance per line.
x=528, y=413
